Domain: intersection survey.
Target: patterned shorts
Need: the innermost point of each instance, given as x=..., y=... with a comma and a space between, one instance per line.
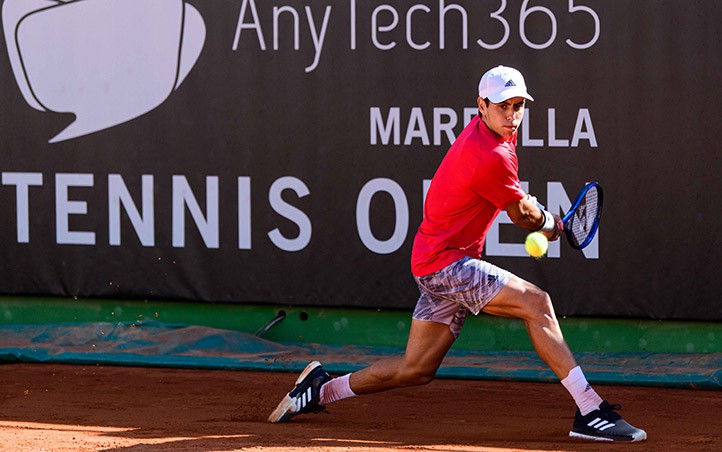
x=461, y=287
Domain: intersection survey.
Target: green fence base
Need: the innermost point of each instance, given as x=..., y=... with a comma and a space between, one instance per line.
x=367, y=327
x=154, y=344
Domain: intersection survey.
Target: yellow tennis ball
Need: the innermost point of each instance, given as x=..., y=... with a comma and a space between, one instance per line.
x=536, y=244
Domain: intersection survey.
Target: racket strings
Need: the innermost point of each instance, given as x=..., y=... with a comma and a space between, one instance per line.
x=581, y=224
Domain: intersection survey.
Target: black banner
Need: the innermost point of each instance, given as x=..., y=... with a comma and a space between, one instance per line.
x=279, y=151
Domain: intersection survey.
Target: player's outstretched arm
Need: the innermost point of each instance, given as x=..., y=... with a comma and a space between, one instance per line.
x=530, y=215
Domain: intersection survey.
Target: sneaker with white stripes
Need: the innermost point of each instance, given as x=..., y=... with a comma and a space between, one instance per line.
x=605, y=424
x=304, y=397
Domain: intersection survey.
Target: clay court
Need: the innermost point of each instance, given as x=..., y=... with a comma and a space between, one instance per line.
x=52, y=407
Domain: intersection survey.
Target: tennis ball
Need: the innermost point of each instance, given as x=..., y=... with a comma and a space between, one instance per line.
x=536, y=244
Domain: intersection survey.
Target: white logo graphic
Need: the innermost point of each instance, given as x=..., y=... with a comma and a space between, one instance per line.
x=106, y=61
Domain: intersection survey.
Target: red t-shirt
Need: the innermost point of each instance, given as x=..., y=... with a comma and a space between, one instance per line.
x=476, y=180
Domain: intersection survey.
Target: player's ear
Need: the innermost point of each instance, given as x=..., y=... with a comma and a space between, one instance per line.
x=481, y=105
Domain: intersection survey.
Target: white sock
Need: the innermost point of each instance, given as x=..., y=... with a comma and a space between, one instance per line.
x=581, y=391
x=335, y=390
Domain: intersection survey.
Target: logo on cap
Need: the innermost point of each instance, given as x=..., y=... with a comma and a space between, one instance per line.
x=502, y=83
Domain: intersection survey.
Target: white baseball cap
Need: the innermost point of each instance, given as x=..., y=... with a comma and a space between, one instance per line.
x=502, y=83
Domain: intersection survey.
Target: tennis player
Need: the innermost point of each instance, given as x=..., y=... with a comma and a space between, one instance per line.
x=477, y=179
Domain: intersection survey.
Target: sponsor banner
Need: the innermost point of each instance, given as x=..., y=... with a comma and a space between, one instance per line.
x=279, y=150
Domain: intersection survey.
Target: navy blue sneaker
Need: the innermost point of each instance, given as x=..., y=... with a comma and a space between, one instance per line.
x=304, y=397
x=605, y=424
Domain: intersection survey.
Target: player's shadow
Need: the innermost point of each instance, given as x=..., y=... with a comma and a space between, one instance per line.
x=375, y=422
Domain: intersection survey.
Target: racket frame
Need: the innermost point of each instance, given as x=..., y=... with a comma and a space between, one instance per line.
x=575, y=205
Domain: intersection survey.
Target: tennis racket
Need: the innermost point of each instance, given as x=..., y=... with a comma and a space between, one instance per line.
x=582, y=220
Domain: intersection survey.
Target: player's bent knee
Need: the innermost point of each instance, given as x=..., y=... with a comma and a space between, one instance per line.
x=539, y=304
x=416, y=376
x=417, y=379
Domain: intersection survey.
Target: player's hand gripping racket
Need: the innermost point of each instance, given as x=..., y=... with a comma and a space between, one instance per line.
x=582, y=220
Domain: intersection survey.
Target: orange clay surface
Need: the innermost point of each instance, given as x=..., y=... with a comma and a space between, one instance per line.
x=92, y=408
